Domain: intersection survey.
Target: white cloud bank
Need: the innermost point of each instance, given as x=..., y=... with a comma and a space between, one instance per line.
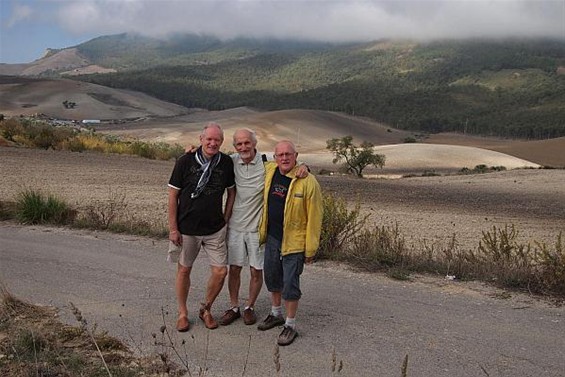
x=320, y=20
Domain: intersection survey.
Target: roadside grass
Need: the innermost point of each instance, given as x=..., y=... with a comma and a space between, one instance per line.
x=34, y=207
x=33, y=342
x=500, y=259
x=35, y=133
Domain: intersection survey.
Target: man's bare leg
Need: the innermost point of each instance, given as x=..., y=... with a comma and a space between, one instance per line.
x=182, y=287
x=234, y=283
x=255, y=285
x=215, y=283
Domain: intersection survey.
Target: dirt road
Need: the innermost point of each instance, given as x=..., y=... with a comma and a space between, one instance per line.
x=446, y=328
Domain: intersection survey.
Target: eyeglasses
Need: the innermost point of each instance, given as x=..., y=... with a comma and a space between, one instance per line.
x=281, y=155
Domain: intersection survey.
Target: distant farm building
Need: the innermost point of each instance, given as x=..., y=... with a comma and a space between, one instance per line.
x=91, y=121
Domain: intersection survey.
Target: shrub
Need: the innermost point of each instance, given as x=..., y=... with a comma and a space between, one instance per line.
x=11, y=128
x=339, y=225
x=7, y=210
x=143, y=149
x=28, y=344
x=381, y=247
x=430, y=173
x=481, y=169
x=499, y=258
x=32, y=207
x=551, y=267
x=103, y=214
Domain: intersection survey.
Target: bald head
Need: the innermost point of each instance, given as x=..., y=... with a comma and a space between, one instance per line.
x=285, y=156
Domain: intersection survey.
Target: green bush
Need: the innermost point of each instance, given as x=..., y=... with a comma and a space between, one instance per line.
x=339, y=226
x=32, y=207
x=39, y=134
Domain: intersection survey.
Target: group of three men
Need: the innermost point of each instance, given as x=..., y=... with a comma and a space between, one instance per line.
x=267, y=205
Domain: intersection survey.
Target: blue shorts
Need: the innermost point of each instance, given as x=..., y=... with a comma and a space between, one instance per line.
x=282, y=274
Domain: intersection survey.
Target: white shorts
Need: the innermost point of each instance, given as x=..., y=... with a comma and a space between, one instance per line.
x=243, y=248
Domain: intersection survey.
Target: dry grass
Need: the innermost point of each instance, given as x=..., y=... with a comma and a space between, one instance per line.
x=33, y=342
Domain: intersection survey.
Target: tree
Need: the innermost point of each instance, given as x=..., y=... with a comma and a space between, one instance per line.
x=356, y=158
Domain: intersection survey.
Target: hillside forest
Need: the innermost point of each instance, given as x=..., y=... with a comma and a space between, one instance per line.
x=508, y=88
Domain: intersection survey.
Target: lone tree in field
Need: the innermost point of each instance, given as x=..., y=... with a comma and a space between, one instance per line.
x=356, y=158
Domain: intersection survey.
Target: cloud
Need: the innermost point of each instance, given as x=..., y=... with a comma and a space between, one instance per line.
x=322, y=20
x=20, y=13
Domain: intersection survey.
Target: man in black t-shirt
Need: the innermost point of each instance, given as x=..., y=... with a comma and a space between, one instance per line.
x=196, y=218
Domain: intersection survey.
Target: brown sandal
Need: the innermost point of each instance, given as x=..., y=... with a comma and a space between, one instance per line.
x=183, y=325
x=206, y=317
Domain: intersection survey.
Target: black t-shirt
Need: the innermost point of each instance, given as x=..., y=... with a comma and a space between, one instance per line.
x=203, y=215
x=276, y=201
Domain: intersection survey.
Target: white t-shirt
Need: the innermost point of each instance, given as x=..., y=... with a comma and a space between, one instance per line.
x=249, y=183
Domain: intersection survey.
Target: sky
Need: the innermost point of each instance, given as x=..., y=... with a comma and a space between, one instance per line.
x=29, y=27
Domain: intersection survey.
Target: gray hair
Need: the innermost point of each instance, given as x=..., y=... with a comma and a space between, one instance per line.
x=251, y=133
x=212, y=125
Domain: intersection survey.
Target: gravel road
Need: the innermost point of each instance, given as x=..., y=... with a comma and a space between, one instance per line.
x=447, y=328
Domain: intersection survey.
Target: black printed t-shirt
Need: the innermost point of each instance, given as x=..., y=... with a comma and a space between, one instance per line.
x=276, y=201
x=203, y=215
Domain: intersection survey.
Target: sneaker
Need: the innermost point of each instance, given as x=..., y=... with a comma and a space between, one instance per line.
x=249, y=316
x=229, y=316
x=270, y=322
x=206, y=317
x=287, y=336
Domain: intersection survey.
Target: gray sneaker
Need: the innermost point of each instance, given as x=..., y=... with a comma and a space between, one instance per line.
x=270, y=322
x=287, y=336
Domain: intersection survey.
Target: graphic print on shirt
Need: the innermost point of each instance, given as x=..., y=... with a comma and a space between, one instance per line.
x=279, y=191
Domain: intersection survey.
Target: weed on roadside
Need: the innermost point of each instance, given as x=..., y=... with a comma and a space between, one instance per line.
x=34, y=207
x=34, y=342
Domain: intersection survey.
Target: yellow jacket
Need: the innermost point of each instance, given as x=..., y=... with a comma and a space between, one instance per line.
x=303, y=211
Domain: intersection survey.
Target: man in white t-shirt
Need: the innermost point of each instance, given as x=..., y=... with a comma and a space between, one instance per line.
x=243, y=228
x=243, y=236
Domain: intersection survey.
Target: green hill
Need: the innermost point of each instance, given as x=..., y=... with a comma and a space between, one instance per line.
x=506, y=88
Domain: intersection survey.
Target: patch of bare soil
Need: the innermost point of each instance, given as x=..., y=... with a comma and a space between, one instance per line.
x=550, y=152
x=21, y=96
x=428, y=210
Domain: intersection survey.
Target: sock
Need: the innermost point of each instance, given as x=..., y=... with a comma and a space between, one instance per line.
x=290, y=322
x=235, y=309
x=276, y=311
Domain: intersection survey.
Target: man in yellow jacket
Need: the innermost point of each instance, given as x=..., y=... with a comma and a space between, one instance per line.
x=290, y=229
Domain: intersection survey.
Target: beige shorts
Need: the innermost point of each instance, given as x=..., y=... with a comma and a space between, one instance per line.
x=243, y=249
x=214, y=245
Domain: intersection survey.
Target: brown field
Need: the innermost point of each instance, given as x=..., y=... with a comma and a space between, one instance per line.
x=426, y=209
